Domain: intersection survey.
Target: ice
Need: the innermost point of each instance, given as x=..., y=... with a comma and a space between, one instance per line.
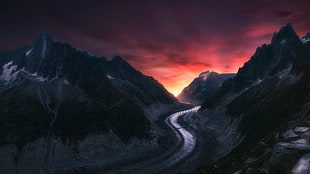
x=10, y=73
x=38, y=77
x=110, y=77
x=290, y=134
x=302, y=166
x=28, y=52
x=300, y=144
x=301, y=129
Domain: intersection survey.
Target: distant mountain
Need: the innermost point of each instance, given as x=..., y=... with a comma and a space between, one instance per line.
x=264, y=110
x=49, y=88
x=203, y=87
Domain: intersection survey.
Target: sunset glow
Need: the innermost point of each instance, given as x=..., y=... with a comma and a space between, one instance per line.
x=173, y=41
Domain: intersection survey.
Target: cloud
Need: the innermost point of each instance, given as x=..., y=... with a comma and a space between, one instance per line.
x=286, y=14
x=171, y=40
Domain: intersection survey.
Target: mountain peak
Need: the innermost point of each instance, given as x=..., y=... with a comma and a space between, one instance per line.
x=43, y=42
x=204, y=75
x=286, y=34
x=43, y=35
x=43, y=32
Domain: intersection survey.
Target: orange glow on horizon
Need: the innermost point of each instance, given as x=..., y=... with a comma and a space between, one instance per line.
x=176, y=71
x=182, y=76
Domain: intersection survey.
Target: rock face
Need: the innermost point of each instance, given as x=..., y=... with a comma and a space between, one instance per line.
x=51, y=92
x=267, y=61
x=203, y=87
x=268, y=98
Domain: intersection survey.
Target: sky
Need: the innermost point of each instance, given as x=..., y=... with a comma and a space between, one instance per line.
x=171, y=40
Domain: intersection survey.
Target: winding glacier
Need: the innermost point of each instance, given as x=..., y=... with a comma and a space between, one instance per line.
x=161, y=164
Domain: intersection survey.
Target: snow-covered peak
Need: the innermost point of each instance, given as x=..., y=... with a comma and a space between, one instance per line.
x=204, y=76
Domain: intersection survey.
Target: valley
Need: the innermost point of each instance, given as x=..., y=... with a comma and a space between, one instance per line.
x=65, y=111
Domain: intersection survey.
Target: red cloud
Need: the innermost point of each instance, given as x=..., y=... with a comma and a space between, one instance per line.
x=174, y=41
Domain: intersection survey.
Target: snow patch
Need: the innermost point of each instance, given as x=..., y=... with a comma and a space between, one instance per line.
x=302, y=166
x=305, y=40
x=38, y=77
x=301, y=129
x=282, y=42
x=8, y=72
x=300, y=144
x=258, y=81
x=66, y=82
x=290, y=134
x=204, y=75
x=110, y=77
x=284, y=73
x=28, y=52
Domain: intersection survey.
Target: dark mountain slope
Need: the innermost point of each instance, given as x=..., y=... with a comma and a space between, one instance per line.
x=130, y=81
x=268, y=108
x=49, y=88
x=203, y=87
x=267, y=61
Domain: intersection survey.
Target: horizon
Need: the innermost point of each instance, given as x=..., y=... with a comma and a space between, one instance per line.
x=173, y=91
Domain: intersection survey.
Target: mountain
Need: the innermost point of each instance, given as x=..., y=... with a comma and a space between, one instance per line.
x=54, y=96
x=203, y=87
x=264, y=110
x=267, y=61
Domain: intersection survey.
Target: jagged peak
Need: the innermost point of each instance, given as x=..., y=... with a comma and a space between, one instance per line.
x=43, y=35
x=286, y=34
x=43, y=32
x=42, y=42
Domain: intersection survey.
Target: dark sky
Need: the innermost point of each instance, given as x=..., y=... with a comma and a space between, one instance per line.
x=171, y=40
